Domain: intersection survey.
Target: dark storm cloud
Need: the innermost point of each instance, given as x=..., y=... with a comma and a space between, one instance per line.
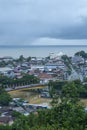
x=24, y=21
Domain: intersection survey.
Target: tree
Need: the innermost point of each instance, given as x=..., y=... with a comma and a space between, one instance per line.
x=4, y=97
x=67, y=62
x=70, y=92
x=28, y=59
x=56, y=87
x=5, y=127
x=81, y=53
x=16, y=114
x=21, y=58
x=69, y=113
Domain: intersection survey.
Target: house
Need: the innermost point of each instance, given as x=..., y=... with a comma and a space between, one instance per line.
x=39, y=67
x=78, y=60
x=50, y=66
x=6, y=120
x=6, y=115
x=45, y=94
x=5, y=70
x=6, y=58
x=44, y=77
x=56, y=55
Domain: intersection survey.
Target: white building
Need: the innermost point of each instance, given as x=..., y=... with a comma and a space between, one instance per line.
x=5, y=70
x=56, y=55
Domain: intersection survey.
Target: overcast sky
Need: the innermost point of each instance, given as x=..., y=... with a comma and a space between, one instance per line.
x=43, y=22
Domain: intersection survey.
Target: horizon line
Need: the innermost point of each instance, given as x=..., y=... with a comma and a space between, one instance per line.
x=42, y=45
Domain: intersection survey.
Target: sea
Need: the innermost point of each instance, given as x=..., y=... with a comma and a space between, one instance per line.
x=40, y=51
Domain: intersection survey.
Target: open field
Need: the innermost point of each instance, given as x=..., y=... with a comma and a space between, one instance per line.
x=31, y=97
x=84, y=101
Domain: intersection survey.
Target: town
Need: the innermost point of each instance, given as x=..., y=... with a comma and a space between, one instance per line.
x=53, y=67
x=31, y=72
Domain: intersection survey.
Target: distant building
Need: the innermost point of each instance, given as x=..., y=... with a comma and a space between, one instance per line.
x=6, y=58
x=56, y=55
x=50, y=66
x=5, y=69
x=77, y=60
x=39, y=67
x=44, y=77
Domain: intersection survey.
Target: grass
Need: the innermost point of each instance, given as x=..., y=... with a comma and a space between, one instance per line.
x=31, y=97
x=84, y=101
x=35, y=98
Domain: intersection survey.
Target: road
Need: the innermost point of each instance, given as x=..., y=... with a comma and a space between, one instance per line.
x=74, y=75
x=25, y=86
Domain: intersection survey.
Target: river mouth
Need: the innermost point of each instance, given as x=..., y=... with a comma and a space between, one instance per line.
x=31, y=95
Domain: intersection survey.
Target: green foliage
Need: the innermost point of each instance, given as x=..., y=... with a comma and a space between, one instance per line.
x=70, y=92
x=56, y=87
x=68, y=114
x=67, y=62
x=28, y=59
x=5, y=127
x=85, y=79
x=81, y=53
x=4, y=98
x=66, y=58
x=25, y=80
x=16, y=114
x=21, y=58
x=56, y=84
x=3, y=64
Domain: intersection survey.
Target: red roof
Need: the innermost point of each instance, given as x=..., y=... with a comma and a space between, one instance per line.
x=44, y=76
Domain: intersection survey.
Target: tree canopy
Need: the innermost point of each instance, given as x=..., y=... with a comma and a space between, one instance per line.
x=4, y=97
x=81, y=53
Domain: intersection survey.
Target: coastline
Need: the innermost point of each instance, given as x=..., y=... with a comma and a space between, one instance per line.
x=40, y=50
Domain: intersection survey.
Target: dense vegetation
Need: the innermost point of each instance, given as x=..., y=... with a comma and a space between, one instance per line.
x=56, y=87
x=4, y=97
x=25, y=80
x=67, y=113
x=67, y=62
x=81, y=53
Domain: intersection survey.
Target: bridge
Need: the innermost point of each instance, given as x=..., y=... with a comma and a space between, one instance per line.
x=24, y=86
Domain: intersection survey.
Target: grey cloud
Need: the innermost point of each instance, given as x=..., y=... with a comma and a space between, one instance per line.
x=22, y=21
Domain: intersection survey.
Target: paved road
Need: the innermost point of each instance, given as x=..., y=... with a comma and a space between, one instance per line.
x=74, y=75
